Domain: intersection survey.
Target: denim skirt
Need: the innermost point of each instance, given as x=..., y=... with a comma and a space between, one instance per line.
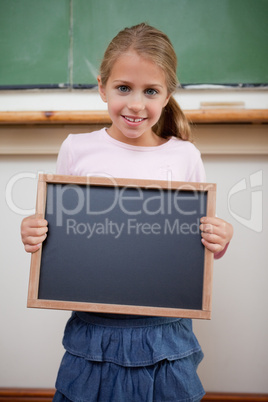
x=114, y=358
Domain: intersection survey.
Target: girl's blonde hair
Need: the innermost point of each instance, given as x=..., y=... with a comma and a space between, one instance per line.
x=154, y=45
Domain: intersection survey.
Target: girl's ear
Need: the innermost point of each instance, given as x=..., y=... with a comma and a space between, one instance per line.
x=102, y=90
x=167, y=100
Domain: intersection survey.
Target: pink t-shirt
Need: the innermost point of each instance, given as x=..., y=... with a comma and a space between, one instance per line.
x=99, y=154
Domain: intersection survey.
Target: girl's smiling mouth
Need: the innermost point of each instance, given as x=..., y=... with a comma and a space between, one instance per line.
x=134, y=120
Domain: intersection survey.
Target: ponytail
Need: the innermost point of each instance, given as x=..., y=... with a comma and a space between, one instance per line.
x=173, y=122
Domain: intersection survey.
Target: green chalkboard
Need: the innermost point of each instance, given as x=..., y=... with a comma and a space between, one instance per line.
x=61, y=42
x=34, y=42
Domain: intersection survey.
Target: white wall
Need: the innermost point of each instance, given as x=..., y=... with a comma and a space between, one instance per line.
x=234, y=341
x=90, y=100
x=30, y=340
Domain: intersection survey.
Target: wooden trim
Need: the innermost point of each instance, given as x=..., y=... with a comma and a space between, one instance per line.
x=234, y=397
x=36, y=257
x=209, y=257
x=227, y=116
x=26, y=394
x=102, y=117
x=55, y=117
x=46, y=395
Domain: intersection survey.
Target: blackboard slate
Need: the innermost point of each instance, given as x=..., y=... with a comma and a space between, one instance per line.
x=161, y=265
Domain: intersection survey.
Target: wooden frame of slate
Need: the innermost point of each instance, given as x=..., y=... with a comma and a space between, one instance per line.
x=123, y=246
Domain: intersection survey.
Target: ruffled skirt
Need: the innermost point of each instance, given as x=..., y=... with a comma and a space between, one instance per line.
x=129, y=359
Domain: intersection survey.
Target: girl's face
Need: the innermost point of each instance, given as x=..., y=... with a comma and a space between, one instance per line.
x=136, y=93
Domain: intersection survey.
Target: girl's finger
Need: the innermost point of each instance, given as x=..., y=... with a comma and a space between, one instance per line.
x=34, y=240
x=212, y=229
x=37, y=231
x=32, y=249
x=210, y=220
x=208, y=228
x=212, y=238
x=213, y=247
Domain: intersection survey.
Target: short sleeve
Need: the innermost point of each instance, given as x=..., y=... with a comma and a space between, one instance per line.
x=64, y=160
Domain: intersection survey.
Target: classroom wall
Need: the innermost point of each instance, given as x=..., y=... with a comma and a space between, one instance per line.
x=234, y=341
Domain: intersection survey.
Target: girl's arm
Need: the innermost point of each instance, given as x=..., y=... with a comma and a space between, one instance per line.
x=33, y=232
x=216, y=234
x=33, y=228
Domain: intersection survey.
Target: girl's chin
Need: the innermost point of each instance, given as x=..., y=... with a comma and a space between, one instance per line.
x=125, y=133
x=132, y=137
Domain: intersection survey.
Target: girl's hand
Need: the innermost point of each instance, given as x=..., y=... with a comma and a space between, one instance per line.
x=216, y=233
x=33, y=232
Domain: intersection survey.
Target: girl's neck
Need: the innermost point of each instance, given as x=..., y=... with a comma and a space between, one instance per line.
x=143, y=141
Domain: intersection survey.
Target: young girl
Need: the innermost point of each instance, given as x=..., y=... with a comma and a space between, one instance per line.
x=123, y=358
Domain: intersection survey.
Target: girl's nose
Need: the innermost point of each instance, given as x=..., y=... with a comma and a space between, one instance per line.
x=136, y=103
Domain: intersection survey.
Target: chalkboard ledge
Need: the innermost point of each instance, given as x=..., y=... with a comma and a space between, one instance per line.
x=202, y=116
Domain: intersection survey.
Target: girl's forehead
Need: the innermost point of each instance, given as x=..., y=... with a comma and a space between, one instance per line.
x=132, y=56
x=132, y=63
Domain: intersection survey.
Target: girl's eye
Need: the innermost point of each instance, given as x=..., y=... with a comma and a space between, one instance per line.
x=123, y=88
x=151, y=91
